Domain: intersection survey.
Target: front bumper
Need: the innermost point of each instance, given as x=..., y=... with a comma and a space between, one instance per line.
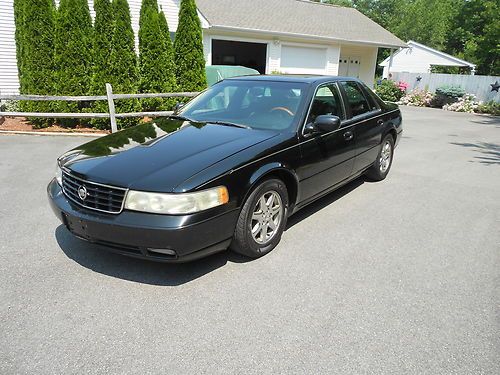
x=144, y=235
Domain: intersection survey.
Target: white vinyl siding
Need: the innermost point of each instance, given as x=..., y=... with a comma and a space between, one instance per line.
x=9, y=81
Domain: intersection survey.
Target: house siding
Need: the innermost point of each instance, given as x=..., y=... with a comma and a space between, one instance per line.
x=9, y=80
x=417, y=60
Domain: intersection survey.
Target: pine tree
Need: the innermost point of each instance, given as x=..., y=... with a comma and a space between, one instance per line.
x=188, y=46
x=73, y=52
x=155, y=60
x=101, y=64
x=124, y=75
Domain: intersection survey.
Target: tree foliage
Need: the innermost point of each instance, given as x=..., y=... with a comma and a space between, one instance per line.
x=465, y=28
x=19, y=16
x=156, y=65
x=101, y=64
x=73, y=52
x=188, y=46
x=124, y=76
x=35, y=19
x=101, y=44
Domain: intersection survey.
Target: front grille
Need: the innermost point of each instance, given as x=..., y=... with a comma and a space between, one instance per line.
x=98, y=197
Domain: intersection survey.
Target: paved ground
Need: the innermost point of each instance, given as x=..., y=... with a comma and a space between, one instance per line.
x=398, y=277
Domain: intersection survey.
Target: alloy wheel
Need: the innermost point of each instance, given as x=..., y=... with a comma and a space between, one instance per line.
x=266, y=217
x=385, y=157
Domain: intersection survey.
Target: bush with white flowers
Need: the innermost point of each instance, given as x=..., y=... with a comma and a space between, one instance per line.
x=466, y=103
x=418, y=98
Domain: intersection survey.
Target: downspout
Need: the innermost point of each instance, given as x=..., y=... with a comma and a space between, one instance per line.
x=390, y=64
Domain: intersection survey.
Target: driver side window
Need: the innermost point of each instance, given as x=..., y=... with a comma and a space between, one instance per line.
x=326, y=102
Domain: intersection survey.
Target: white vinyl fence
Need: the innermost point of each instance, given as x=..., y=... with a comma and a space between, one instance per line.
x=109, y=97
x=477, y=85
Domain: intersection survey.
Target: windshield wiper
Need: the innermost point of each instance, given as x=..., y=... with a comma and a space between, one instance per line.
x=225, y=123
x=182, y=118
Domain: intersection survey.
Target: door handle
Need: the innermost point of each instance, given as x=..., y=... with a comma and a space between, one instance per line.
x=380, y=122
x=348, y=135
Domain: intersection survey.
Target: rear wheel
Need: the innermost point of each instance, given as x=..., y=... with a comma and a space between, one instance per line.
x=262, y=219
x=380, y=169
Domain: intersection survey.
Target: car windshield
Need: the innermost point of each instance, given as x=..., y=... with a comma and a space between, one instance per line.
x=255, y=104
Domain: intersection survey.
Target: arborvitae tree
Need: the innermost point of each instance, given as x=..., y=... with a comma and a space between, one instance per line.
x=188, y=46
x=147, y=4
x=102, y=38
x=73, y=52
x=101, y=67
x=170, y=81
x=155, y=64
x=19, y=18
x=124, y=76
x=38, y=60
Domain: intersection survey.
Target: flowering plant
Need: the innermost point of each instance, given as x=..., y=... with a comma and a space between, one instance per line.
x=466, y=103
x=403, y=86
x=418, y=98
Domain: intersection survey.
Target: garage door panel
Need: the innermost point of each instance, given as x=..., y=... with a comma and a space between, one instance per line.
x=303, y=60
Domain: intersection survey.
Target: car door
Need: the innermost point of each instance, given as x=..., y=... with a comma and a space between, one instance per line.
x=366, y=122
x=328, y=158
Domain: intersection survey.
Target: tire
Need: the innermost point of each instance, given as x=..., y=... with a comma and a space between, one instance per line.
x=253, y=237
x=380, y=169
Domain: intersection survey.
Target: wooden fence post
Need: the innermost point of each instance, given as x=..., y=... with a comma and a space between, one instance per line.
x=111, y=105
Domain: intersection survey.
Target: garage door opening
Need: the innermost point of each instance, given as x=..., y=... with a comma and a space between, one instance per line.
x=251, y=55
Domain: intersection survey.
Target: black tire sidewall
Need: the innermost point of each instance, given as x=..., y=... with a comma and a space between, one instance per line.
x=374, y=172
x=252, y=248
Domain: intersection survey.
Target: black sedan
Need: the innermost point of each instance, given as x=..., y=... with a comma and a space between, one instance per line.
x=228, y=169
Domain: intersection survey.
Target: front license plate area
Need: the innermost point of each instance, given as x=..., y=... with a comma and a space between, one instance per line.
x=77, y=227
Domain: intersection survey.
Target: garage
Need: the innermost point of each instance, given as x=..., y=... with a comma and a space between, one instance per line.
x=251, y=55
x=300, y=60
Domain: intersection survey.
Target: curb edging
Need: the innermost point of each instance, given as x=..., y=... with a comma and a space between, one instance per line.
x=19, y=132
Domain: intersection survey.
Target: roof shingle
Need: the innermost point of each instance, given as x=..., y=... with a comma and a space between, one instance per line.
x=298, y=18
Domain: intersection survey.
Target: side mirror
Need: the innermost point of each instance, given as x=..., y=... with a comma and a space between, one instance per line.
x=178, y=106
x=323, y=124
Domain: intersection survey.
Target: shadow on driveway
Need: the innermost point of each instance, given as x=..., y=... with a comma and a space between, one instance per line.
x=489, y=152
x=98, y=259
x=488, y=120
x=323, y=202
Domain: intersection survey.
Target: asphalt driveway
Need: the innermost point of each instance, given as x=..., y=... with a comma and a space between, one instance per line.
x=398, y=277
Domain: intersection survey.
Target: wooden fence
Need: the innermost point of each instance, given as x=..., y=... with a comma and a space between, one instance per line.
x=109, y=97
x=480, y=86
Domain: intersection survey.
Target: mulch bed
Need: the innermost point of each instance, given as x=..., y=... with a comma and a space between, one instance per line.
x=21, y=124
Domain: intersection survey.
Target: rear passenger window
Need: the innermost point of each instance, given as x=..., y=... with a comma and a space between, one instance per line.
x=356, y=99
x=325, y=102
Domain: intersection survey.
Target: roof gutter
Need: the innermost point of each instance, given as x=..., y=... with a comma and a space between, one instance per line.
x=302, y=36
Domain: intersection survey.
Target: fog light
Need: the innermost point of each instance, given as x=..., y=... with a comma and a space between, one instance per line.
x=164, y=251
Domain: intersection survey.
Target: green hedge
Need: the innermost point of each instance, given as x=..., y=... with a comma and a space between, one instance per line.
x=188, y=46
x=389, y=91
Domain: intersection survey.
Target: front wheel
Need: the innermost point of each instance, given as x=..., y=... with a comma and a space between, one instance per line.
x=380, y=169
x=262, y=220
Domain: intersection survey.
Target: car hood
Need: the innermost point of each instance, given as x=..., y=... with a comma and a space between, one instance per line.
x=158, y=155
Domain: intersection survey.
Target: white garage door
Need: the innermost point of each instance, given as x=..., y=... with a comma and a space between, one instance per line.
x=303, y=60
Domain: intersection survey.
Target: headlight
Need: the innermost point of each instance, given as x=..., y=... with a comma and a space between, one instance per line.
x=175, y=204
x=58, y=174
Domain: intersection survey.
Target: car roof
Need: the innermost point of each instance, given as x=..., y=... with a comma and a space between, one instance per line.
x=304, y=78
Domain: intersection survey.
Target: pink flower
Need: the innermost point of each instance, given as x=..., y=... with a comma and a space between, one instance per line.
x=402, y=85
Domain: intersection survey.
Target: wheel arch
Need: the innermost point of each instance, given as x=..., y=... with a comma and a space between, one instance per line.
x=392, y=132
x=276, y=170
